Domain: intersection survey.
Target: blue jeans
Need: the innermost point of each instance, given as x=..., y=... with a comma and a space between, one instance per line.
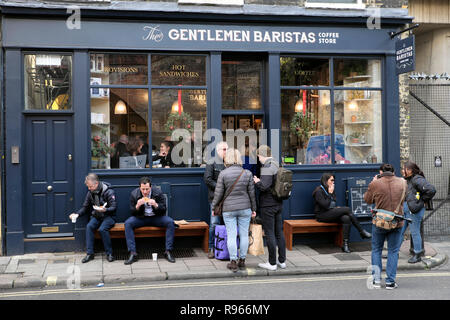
x=103, y=227
x=215, y=220
x=394, y=240
x=156, y=221
x=232, y=219
x=414, y=226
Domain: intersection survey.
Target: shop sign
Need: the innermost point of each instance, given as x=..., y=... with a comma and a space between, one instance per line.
x=405, y=55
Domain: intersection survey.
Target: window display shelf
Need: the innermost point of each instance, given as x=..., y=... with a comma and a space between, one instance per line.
x=359, y=122
x=360, y=77
x=358, y=145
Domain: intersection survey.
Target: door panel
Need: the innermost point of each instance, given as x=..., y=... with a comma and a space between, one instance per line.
x=49, y=176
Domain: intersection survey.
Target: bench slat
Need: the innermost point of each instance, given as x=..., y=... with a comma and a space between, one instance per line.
x=200, y=228
x=310, y=226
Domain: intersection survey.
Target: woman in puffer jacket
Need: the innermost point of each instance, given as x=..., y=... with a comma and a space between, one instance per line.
x=239, y=206
x=419, y=191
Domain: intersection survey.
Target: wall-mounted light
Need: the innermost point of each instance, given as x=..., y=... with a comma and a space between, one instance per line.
x=120, y=108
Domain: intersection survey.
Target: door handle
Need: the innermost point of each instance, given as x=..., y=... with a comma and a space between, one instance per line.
x=69, y=157
x=49, y=188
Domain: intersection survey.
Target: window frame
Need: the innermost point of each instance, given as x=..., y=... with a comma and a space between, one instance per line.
x=149, y=86
x=332, y=88
x=23, y=89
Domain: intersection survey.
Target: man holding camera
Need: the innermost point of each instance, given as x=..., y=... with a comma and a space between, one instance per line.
x=387, y=192
x=100, y=202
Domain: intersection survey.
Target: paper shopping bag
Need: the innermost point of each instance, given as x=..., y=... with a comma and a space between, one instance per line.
x=256, y=244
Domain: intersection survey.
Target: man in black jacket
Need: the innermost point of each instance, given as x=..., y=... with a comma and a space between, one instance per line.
x=148, y=208
x=100, y=203
x=212, y=170
x=271, y=210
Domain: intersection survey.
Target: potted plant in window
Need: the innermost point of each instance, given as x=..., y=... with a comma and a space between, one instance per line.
x=302, y=125
x=100, y=150
x=354, y=137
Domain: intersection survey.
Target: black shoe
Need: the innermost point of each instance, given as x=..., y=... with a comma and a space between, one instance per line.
x=110, y=258
x=391, y=286
x=131, y=259
x=415, y=258
x=345, y=247
x=88, y=258
x=241, y=264
x=365, y=235
x=169, y=257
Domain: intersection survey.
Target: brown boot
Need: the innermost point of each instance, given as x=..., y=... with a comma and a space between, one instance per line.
x=211, y=254
x=241, y=264
x=233, y=266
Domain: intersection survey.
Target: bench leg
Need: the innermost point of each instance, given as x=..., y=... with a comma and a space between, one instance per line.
x=288, y=236
x=206, y=240
x=339, y=238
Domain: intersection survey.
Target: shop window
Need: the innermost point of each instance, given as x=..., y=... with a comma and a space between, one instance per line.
x=306, y=126
x=170, y=70
x=48, y=82
x=358, y=121
x=119, y=128
x=303, y=71
x=357, y=73
x=174, y=109
x=241, y=84
x=118, y=69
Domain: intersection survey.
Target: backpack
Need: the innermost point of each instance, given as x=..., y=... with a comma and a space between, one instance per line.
x=283, y=184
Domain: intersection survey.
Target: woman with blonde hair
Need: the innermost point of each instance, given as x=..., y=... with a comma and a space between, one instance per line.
x=235, y=185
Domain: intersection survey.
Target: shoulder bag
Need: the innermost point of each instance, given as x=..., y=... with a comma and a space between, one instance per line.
x=219, y=207
x=385, y=219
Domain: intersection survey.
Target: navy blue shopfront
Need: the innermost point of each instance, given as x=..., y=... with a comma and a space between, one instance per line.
x=46, y=183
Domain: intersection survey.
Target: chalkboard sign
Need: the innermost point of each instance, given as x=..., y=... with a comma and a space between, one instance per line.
x=356, y=189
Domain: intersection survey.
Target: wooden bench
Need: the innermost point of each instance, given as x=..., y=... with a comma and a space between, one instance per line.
x=185, y=230
x=310, y=226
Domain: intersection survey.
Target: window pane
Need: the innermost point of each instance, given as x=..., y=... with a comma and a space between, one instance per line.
x=301, y=71
x=119, y=128
x=178, y=70
x=358, y=126
x=48, y=82
x=357, y=73
x=119, y=69
x=241, y=85
x=167, y=117
x=306, y=123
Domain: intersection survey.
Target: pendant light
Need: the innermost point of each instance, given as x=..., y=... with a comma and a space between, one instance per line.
x=120, y=108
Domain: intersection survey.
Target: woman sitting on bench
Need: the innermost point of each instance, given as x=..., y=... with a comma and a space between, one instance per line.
x=326, y=210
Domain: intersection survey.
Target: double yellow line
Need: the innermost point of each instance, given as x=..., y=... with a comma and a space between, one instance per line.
x=212, y=284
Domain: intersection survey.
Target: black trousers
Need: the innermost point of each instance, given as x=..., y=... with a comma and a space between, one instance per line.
x=341, y=214
x=272, y=222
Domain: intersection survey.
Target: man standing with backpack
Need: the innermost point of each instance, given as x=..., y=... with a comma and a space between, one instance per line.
x=271, y=208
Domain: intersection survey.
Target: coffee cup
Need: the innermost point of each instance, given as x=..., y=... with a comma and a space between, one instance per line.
x=74, y=219
x=155, y=256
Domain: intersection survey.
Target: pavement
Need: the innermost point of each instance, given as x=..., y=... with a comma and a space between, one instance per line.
x=66, y=269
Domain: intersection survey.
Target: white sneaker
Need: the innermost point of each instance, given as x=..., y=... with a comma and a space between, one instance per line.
x=281, y=265
x=268, y=266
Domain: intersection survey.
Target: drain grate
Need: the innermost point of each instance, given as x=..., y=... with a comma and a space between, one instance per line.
x=27, y=261
x=146, y=253
x=347, y=256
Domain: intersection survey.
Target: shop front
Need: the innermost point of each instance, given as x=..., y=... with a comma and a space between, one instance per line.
x=109, y=97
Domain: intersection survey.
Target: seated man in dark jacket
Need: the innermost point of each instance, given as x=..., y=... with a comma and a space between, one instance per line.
x=148, y=208
x=102, y=197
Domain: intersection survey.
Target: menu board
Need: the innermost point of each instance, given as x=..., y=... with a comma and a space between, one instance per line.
x=359, y=207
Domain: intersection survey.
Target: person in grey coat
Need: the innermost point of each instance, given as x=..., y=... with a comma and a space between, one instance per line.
x=239, y=206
